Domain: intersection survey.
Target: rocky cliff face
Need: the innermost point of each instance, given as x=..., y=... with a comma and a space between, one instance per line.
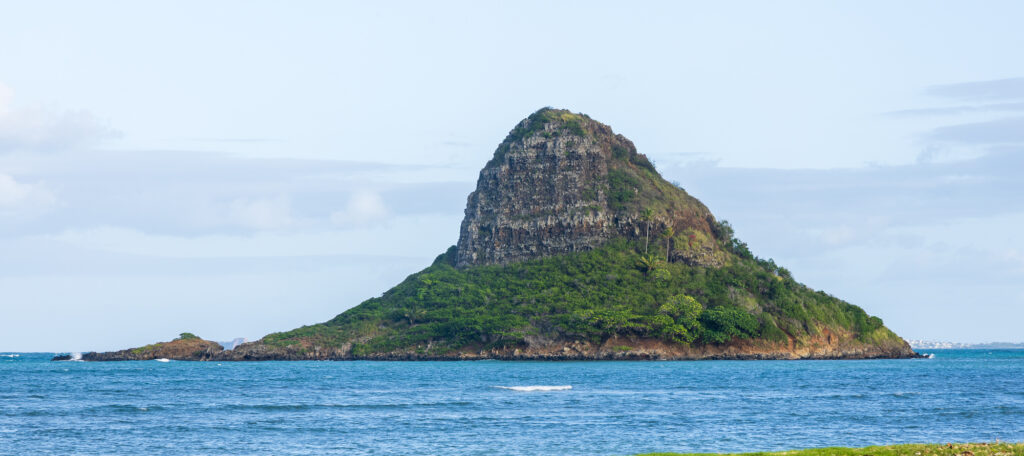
x=562, y=183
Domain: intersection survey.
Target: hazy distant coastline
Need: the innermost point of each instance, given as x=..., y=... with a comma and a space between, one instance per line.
x=933, y=344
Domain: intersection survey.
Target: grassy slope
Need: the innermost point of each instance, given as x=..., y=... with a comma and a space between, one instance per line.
x=964, y=449
x=590, y=295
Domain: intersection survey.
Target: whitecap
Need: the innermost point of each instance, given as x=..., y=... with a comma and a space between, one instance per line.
x=76, y=356
x=537, y=387
x=11, y=355
x=162, y=360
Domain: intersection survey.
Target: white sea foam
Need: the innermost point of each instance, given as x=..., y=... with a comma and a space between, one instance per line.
x=76, y=356
x=537, y=387
x=163, y=360
x=11, y=355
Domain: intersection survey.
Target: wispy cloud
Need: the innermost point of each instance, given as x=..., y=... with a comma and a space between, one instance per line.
x=45, y=129
x=990, y=117
x=915, y=194
x=236, y=140
x=961, y=109
x=261, y=213
x=364, y=207
x=973, y=98
x=997, y=89
x=200, y=193
x=1009, y=130
x=18, y=196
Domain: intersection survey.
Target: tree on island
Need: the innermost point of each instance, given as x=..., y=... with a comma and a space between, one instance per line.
x=668, y=234
x=648, y=263
x=646, y=216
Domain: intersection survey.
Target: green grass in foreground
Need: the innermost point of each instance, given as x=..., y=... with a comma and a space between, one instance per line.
x=955, y=449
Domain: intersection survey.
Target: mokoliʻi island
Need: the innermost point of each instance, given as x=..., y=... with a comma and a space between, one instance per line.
x=573, y=247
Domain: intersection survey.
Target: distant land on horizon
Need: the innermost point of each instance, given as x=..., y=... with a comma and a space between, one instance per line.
x=573, y=246
x=933, y=344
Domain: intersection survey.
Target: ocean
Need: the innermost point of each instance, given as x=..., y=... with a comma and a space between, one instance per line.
x=504, y=408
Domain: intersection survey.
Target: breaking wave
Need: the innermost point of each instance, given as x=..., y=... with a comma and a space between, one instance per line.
x=537, y=387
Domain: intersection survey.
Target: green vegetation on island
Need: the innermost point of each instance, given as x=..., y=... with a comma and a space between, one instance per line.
x=613, y=291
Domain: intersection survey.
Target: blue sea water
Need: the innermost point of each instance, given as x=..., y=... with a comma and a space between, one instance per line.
x=457, y=408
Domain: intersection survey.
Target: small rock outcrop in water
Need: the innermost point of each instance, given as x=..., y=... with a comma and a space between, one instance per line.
x=185, y=347
x=573, y=247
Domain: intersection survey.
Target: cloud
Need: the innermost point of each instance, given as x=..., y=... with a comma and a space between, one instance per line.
x=364, y=207
x=261, y=214
x=802, y=212
x=42, y=129
x=433, y=234
x=17, y=197
x=6, y=95
x=11, y=192
x=200, y=193
x=962, y=109
x=984, y=97
x=998, y=89
x=237, y=140
x=988, y=121
x=1008, y=130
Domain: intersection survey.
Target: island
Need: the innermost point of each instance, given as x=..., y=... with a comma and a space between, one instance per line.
x=573, y=247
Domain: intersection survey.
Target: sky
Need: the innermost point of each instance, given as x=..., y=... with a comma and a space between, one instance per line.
x=237, y=168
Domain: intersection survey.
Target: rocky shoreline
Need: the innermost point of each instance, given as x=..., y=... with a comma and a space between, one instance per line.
x=610, y=350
